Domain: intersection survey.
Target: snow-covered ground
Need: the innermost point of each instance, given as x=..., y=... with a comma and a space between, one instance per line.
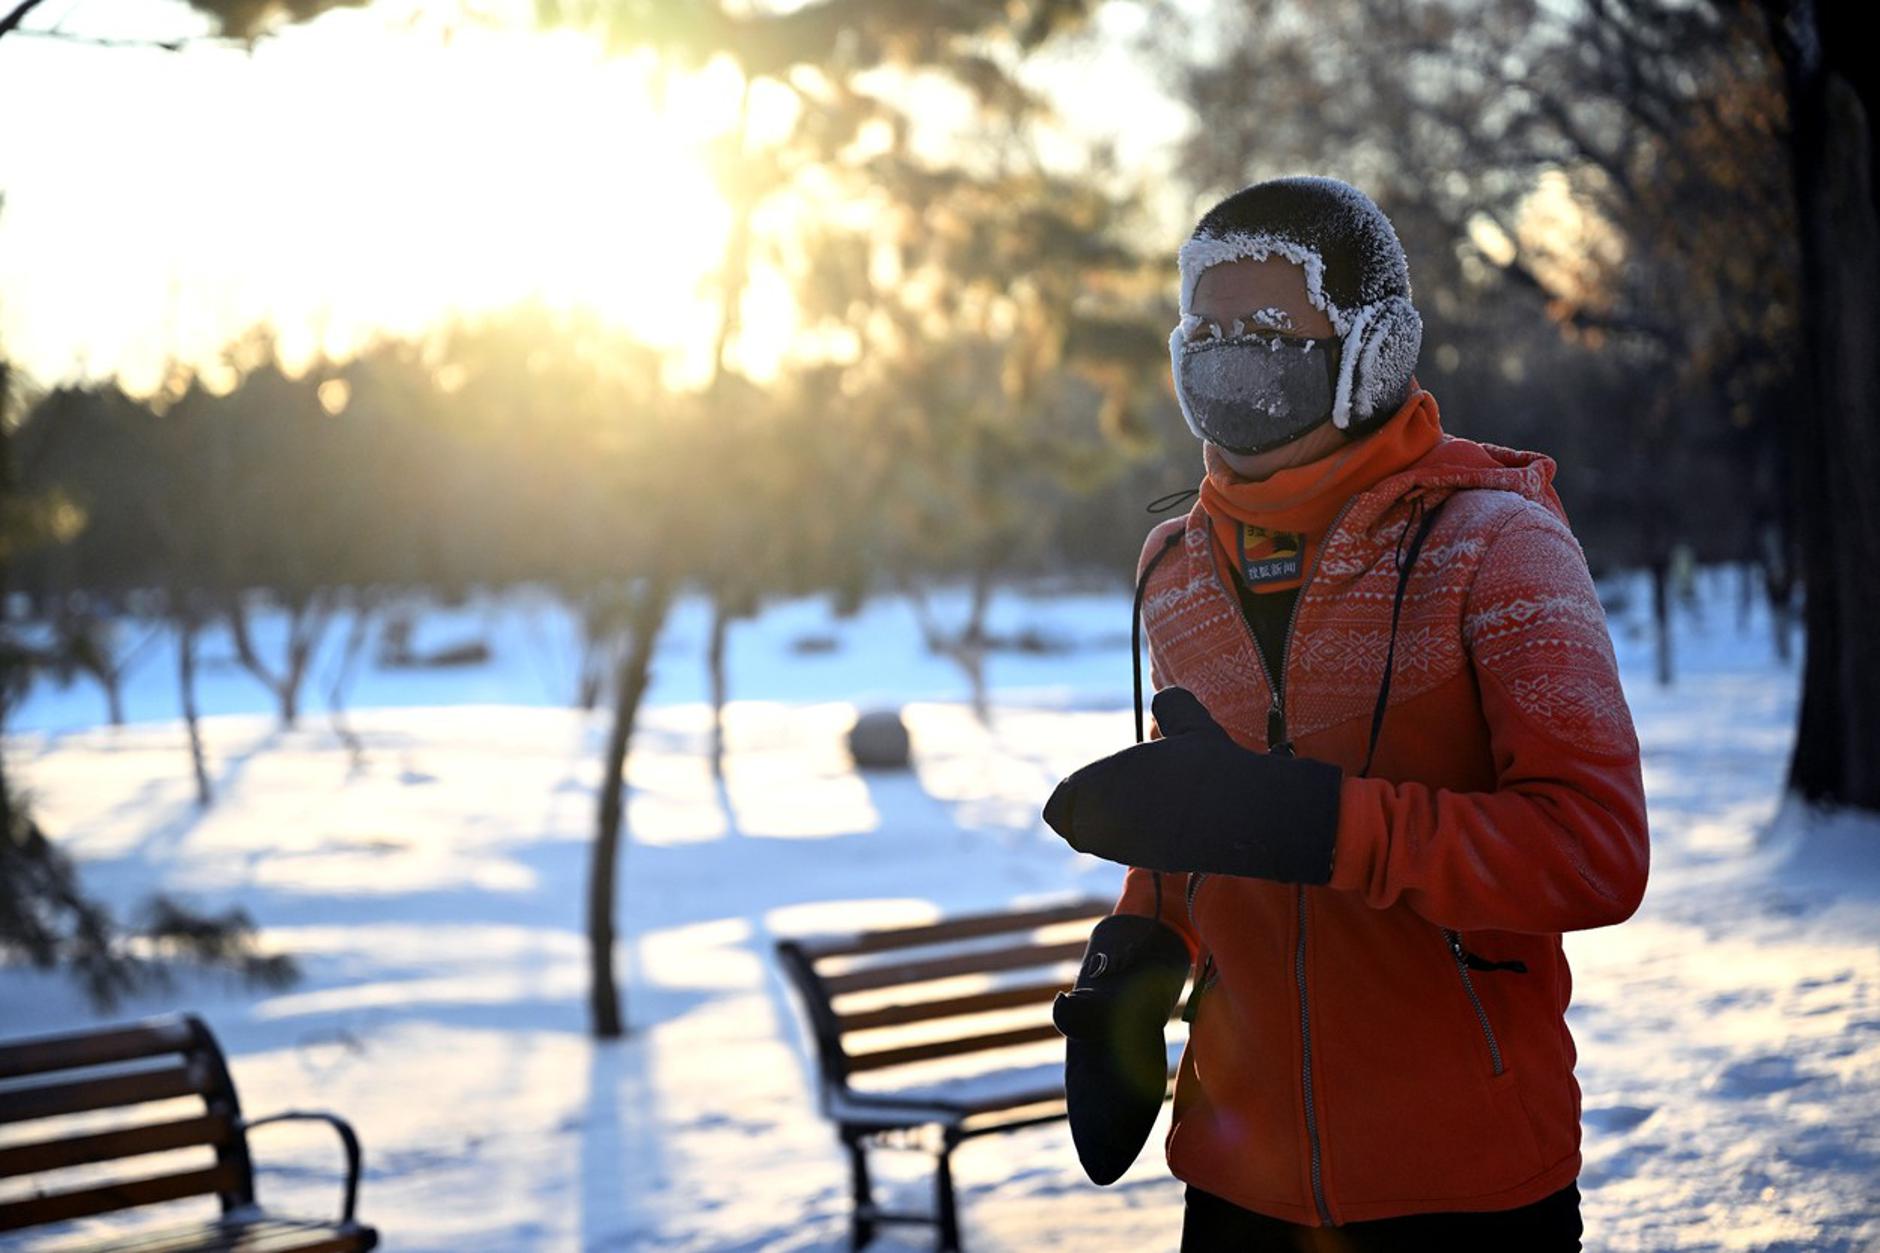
x=1729, y=1034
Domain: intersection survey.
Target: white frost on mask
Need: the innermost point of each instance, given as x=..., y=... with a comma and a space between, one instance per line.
x=1227, y=376
x=1205, y=251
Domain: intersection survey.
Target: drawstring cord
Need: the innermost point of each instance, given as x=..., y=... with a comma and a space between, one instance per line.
x=1422, y=521
x=1162, y=504
x=1403, y=564
x=1135, y=653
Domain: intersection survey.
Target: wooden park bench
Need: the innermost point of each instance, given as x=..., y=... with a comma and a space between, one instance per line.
x=73, y=1107
x=897, y=1002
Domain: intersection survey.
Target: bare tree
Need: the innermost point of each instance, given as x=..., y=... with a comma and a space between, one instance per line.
x=1837, y=433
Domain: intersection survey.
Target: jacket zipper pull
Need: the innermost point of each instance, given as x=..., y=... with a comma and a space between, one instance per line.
x=1201, y=985
x=1473, y=962
x=1276, y=741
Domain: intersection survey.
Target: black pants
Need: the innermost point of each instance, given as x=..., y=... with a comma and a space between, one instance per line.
x=1549, y=1225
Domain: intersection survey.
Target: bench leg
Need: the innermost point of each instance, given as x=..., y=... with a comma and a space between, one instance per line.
x=948, y=1213
x=862, y=1225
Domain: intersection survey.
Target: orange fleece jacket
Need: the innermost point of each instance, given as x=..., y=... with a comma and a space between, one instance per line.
x=1347, y=1063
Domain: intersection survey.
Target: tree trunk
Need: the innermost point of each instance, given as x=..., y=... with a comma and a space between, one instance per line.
x=646, y=615
x=715, y=662
x=593, y=638
x=235, y=610
x=113, y=683
x=1747, y=573
x=1836, y=458
x=354, y=647
x=186, y=678
x=1779, y=588
x=1661, y=615
x=306, y=625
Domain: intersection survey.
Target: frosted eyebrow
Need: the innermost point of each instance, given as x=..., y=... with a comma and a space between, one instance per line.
x=1270, y=318
x=1273, y=316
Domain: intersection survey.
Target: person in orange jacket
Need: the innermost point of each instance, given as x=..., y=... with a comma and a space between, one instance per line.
x=1391, y=763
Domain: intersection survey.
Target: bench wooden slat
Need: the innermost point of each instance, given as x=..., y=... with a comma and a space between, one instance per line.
x=983, y=962
x=930, y=1049
x=331, y=1240
x=964, y=927
x=48, y=1100
x=951, y=1007
x=263, y=1235
x=105, y=1146
x=217, y=1234
x=58, y=1207
x=92, y=1048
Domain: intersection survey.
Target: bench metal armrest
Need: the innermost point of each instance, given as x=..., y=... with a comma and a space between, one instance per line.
x=346, y=1136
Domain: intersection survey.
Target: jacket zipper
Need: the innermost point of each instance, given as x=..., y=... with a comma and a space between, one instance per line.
x=1203, y=980
x=1276, y=737
x=1481, y=1015
x=1278, y=741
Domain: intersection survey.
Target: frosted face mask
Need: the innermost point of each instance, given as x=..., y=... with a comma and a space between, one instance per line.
x=1251, y=391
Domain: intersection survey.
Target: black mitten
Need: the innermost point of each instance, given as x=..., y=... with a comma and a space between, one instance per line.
x=1195, y=800
x=1115, y=1055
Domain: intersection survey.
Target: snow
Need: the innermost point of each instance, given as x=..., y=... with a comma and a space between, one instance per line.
x=1728, y=1034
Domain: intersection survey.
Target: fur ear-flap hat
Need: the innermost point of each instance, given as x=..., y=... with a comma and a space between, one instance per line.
x=1356, y=274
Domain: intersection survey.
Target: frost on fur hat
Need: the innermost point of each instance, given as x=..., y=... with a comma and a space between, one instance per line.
x=1355, y=273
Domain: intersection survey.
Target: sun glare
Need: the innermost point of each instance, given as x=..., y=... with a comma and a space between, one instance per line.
x=345, y=181
x=1573, y=250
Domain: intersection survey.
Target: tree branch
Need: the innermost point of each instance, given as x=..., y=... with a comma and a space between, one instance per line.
x=12, y=20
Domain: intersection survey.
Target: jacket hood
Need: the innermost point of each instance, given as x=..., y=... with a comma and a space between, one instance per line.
x=1456, y=463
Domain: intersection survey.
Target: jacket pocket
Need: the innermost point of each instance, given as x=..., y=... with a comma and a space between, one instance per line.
x=1206, y=974
x=1463, y=960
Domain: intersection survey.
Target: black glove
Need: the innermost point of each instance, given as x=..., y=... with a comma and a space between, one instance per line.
x=1195, y=800
x=1115, y=1057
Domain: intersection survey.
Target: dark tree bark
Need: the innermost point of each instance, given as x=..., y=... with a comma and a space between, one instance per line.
x=715, y=663
x=113, y=697
x=1836, y=432
x=594, y=636
x=84, y=631
x=965, y=648
x=18, y=13
x=645, y=616
x=1778, y=570
x=307, y=618
x=365, y=607
x=186, y=625
x=1661, y=615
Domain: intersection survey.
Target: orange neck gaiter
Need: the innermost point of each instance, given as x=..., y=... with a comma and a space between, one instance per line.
x=1268, y=530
